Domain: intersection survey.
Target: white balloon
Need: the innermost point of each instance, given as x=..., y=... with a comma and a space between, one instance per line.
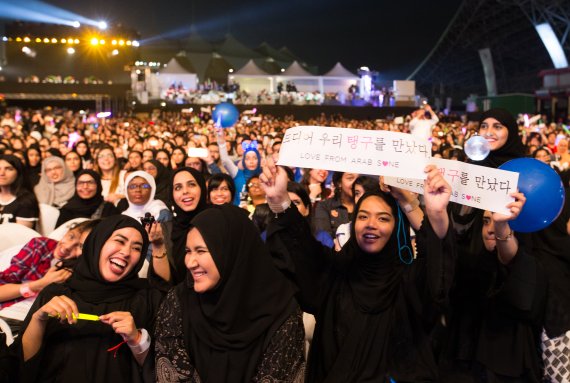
x=477, y=148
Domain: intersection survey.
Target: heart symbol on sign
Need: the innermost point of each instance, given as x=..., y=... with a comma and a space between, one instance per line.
x=468, y=197
x=385, y=163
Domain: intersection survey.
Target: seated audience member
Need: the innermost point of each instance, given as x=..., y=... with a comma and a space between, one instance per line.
x=57, y=345
x=88, y=200
x=234, y=318
x=221, y=189
x=17, y=203
x=40, y=262
x=57, y=183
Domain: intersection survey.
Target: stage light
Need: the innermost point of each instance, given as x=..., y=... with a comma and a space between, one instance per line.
x=102, y=25
x=231, y=70
x=115, y=52
x=18, y=39
x=129, y=42
x=102, y=42
x=76, y=41
x=29, y=52
x=135, y=43
x=121, y=42
x=46, y=40
x=63, y=41
x=26, y=39
x=70, y=51
x=138, y=71
x=4, y=38
x=282, y=70
x=38, y=40
x=54, y=40
x=94, y=41
x=114, y=42
x=76, y=24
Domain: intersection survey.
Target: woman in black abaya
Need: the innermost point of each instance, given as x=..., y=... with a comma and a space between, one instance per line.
x=234, y=319
x=105, y=284
x=374, y=304
x=188, y=199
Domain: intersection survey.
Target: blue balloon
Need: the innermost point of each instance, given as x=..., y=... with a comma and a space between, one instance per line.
x=544, y=194
x=225, y=115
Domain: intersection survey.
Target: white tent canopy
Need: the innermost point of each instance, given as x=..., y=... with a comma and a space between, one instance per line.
x=303, y=79
x=175, y=74
x=338, y=79
x=252, y=79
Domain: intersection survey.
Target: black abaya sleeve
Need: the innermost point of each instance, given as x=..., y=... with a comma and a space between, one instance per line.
x=434, y=267
x=300, y=257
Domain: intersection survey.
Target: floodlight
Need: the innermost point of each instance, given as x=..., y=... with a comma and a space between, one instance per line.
x=552, y=45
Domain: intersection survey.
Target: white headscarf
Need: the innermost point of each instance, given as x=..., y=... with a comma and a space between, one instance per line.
x=153, y=206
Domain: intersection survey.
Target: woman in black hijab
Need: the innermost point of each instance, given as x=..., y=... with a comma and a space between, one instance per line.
x=87, y=202
x=373, y=302
x=33, y=164
x=234, y=319
x=188, y=199
x=57, y=347
x=161, y=176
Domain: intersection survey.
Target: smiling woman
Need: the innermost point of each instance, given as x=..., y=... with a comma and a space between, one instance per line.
x=56, y=185
x=105, y=284
x=234, y=318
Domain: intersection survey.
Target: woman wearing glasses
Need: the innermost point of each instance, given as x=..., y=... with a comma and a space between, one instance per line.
x=155, y=217
x=87, y=202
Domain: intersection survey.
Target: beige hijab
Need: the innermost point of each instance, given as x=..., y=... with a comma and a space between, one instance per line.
x=55, y=194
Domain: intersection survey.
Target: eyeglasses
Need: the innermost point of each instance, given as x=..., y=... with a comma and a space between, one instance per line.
x=86, y=183
x=253, y=184
x=101, y=156
x=138, y=186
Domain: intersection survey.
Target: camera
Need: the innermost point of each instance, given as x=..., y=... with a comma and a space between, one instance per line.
x=148, y=219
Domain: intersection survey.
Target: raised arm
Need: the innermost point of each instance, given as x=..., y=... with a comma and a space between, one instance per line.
x=436, y=195
x=224, y=156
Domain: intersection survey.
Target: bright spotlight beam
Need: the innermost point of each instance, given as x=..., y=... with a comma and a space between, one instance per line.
x=41, y=13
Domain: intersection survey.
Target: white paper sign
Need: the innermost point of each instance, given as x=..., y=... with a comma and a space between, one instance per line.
x=471, y=185
x=355, y=150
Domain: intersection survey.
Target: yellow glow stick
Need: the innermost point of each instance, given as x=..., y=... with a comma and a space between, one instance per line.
x=81, y=316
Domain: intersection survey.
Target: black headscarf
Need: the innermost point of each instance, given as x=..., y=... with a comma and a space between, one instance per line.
x=513, y=148
x=162, y=180
x=87, y=281
x=228, y=327
x=79, y=207
x=374, y=278
x=182, y=222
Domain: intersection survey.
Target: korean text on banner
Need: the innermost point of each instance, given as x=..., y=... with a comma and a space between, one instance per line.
x=471, y=185
x=355, y=150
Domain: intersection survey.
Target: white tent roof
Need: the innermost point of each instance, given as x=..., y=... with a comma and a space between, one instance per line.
x=296, y=70
x=339, y=71
x=174, y=67
x=251, y=69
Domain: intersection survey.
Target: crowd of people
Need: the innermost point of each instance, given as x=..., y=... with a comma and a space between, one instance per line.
x=213, y=264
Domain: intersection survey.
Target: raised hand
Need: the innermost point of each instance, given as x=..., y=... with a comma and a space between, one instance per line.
x=515, y=208
x=436, y=190
x=274, y=182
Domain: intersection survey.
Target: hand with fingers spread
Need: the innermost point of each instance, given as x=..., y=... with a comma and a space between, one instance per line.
x=123, y=324
x=60, y=307
x=274, y=183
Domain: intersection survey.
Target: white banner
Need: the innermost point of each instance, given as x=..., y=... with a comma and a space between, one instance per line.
x=471, y=185
x=376, y=152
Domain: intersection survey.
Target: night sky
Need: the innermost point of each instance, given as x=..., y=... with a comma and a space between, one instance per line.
x=391, y=37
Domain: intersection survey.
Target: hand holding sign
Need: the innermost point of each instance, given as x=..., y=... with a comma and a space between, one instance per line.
x=274, y=183
x=515, y=208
